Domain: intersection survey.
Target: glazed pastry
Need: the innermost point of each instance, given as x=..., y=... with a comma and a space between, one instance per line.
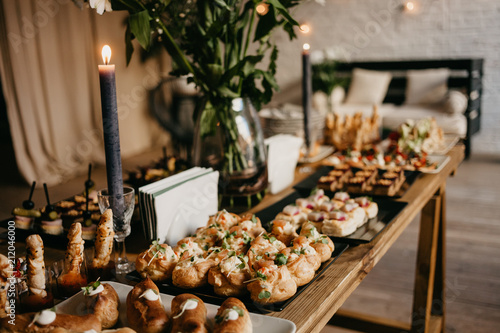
x=232, y=316
x=145, y=312
x=157, y=262
x=36, y=265
x=189, y=314
x=5, y=275
x=104, y=240
x=271, y=283
x=321, y=243
x=229, y=276
x=48, y=321
x=102, y=300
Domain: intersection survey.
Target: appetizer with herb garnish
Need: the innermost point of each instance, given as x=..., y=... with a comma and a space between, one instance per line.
x=189, y=314
x=145, y=311
x=301, y=259
x=157, y=262
x=102, y=300
x=283, y=230
x=321, y=243
x=192, y=272
x=229, y=276
x=232, y=316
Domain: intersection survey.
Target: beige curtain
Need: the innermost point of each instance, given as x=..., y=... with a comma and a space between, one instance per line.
x=50, y=50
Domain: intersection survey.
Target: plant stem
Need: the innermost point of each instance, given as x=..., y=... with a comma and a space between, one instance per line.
x=247, y=42
x=171, y=40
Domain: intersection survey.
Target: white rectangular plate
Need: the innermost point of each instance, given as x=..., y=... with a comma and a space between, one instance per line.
x=260, y=323
x=449, y=141
x=441, y=161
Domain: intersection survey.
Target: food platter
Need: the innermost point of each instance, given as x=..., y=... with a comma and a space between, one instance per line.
x=440, y=160
x=207, y=294
x=388, y=211
x=260, y=323
x=308, y=184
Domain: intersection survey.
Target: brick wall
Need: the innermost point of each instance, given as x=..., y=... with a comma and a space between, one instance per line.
x=379, y=30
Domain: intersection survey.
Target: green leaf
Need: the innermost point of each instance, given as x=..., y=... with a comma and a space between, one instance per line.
x=283, y=11
x=139, y=26
x=129, y=47
x=254, y=219
x=265, y=25
x=226, y=92
x=208, y=122
x=222, y=4
x=261, y=276
x=281, y=259
x=264, y=294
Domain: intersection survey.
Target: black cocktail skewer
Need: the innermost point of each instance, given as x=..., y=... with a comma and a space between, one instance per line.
x=28, y=204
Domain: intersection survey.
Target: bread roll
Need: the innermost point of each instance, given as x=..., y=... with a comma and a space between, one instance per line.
x=232, y=317
x=25, y=323
x=143, y=314
x=189, y=314
x=103, y=304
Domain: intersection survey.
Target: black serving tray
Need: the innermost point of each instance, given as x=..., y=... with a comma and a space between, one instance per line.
x=308, y=184
x=207, y=294
x=387, y=212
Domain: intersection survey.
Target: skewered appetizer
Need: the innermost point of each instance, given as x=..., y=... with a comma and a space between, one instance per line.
x=232, y=316
x=189, y=314
x=25, y=216
x=51, y=221
x=102, y=300
x=102, y=265
x=145, y=311
x=74, y=277
x=157, y=262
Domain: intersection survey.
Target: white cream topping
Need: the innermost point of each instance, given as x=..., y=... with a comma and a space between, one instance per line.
x=232, y=315
x=90, y=331
x=349, y=207
x=96, y=291
x=45, y=317
x=229, y=264
x=150, y=295
x=291, y=210
x=190, y=304
x=337, y=215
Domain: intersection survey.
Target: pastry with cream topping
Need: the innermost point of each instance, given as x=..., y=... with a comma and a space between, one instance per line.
x=232, y=316
x=189, y=314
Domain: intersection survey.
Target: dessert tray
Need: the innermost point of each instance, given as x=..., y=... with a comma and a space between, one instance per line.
x=207, y=294
x=260, y=323
x=388, y=210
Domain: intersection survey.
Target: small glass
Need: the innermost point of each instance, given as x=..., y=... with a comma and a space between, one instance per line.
x=99, y=273
x=30, y=302
x=69, y=282
x=121, y=223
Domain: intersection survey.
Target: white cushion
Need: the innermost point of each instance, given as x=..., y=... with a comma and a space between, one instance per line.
x=455, y=123
x=428, y=86
x=368, y=87
x=455, y=102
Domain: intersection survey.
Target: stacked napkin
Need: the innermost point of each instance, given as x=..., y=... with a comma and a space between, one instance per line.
x=175, y=207
x=283, y=153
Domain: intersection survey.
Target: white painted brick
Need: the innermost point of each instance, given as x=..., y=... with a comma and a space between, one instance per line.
x=442, y=29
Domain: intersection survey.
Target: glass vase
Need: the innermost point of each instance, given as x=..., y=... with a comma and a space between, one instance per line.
x=228, y=137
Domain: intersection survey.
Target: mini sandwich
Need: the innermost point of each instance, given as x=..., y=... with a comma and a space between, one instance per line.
x=356, y=213
x=339, y=224
x=370, y=207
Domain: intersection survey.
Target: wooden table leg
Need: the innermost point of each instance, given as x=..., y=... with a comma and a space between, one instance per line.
x=428, y=302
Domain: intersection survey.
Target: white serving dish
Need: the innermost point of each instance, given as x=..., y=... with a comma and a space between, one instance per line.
x=261, y=323
x=442, y=160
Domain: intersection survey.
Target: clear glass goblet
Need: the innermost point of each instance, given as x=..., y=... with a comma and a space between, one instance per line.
x=123, y=209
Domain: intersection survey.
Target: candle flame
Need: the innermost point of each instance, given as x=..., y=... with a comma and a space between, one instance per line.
x=106, y=54
x=305, y=28
x=306, y=47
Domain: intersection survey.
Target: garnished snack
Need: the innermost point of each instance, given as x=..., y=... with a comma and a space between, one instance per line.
x=321, y=243
x=5, y=275
x=252, y=225
x=192, y=272
x=51, y=221
x=102, y=300
x=370, y=207
x=189, y=314
x=74, y=275
x=229, y=276
x=50, y=321
x=271, y=283
x=24, y=217
x=157, y=262
x=232, y=316
x=102, y=264
x=38, y=298
x=283, y=230
x=301, y=259
x=145, y=312
x=339, y=224
x=295, y=214
x=356, y=213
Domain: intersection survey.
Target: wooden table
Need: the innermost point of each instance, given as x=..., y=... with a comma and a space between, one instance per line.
x=317, y=304
x=315, y=307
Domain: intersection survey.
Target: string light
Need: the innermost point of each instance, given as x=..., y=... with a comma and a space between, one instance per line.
x=305, y=28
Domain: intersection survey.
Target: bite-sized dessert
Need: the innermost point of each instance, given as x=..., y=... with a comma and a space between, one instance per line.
x=232, y=316
x=321, y=243
x=271, y=283
x=229, y=276
x=370, y=207
x=50, y=321
x=38, y=297
x=189, y=314
x=283, y=230
x=74, y=276
x=356, y=213
x=294, y=214
x=102, y=266
x=368, y=175
x=5, y=275
x=192, y=272
x=339, y=224
x=157, y=262
x=102, y=300
x=145, y=311
x=25, y=216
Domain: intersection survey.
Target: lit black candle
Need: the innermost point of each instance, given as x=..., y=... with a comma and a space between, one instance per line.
x=111, y=133
x=306, y=93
